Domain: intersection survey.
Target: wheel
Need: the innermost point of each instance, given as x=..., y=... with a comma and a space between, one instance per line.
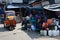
x=11, y=28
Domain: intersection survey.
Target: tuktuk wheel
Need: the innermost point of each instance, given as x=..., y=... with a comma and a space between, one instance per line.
x=10, y=28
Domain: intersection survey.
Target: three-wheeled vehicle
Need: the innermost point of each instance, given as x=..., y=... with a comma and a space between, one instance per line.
x=10, y=20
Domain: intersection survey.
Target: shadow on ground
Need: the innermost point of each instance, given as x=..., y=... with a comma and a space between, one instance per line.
x=2, y=29
x=35, y=35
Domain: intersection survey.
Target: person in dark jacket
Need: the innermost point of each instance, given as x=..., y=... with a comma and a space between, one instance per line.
x=38, y=25
x=24, y=24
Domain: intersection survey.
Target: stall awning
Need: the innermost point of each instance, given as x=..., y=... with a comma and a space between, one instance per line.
x=17, y=6
x=36, y=7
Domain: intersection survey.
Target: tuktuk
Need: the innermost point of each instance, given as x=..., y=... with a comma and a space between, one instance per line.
x=10, y=20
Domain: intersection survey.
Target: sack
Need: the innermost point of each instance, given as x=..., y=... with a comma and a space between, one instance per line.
x=43, y=33
x=56, y=28
x=49, y=21
x=33, y=27
x=23, y=25
x=57, y=23
x=55, y=33
x=50, y=33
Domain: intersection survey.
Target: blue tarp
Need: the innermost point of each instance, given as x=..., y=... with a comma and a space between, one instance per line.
x=37, y=8
x=1, y=10
x=19, y=5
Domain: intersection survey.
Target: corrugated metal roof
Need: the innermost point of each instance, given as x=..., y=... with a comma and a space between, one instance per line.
x=31, y=1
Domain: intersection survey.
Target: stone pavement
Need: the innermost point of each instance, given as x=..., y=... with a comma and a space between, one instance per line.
x=18, y=34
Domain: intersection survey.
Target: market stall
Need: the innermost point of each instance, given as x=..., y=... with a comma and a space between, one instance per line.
x=46, y=22
x=53, y=10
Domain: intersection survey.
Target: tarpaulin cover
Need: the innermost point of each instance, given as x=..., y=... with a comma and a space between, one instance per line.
x=1, y=10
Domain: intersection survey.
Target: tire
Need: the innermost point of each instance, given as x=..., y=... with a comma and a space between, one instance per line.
x=11, y=28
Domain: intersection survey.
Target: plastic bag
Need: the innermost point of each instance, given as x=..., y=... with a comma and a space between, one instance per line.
x=55, y=27
x=50, y=33
x=33, y=27
x=23, y=25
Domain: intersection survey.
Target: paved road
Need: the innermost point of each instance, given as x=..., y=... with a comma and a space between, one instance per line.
x=18, y=34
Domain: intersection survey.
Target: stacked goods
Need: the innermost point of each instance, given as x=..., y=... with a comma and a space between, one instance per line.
x=44, y=25
x=53, y=29
x=53, y=32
